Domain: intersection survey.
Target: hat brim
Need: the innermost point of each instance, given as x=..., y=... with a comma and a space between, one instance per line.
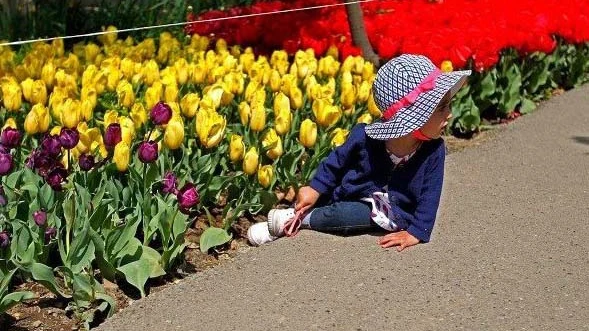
x=413, y=117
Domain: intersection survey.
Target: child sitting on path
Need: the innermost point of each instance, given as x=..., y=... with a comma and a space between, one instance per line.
x=387, y=174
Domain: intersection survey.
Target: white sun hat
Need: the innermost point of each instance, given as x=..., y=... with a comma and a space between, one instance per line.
x=407, y=90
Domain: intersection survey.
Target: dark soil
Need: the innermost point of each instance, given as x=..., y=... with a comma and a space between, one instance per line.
x=47, y=312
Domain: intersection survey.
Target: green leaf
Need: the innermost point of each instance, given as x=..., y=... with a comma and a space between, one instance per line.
x=44, y=275
x=136, y=273
x=14, y=298
x=527, y=106
x=212, y=237
x=153, y=257
x=32, y=188
x=81, y=252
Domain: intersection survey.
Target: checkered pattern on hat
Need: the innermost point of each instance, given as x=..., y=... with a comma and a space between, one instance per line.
x=399, y=77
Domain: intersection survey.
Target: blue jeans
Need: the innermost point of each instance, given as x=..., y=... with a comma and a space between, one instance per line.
x=343, y=217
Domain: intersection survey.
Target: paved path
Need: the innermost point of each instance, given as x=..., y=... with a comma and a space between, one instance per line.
x=510, y=251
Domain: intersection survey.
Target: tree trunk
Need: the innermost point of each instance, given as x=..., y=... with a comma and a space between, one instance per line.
x=359, y=36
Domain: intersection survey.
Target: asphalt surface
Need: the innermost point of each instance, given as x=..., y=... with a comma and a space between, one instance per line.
x=510, y=251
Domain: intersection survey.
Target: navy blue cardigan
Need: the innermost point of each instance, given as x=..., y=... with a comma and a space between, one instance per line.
x=362, y=166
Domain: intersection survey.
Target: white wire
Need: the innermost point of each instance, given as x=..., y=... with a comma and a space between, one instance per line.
x=182, y=23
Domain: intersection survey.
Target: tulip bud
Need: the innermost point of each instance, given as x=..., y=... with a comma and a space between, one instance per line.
x=138, y=115
x=12, y=95
x=265, y=175
x=5, y=163
x=10, y=123
x=86, y=162
x=189, y=104
x=4, y=239
x=113, y=135
x=363, y=91
x=296, y=98
x=281, y=101
x=69, y=138
x=244, y=112
x=147, y=151
x=273, y=143
x=48, y=74
x=188, y=197
x=339, y=136
x=31, y=124
x=210, y=127
x=161, y=113
x=373, y=108
x=51, y=145
x=40, y=217
x=250, y=161
x=174, y=134
x=258, y=119
x=10, y=138
x=365, y=118
x=121, y=156
x=50, y=233
x=70, y=113
x=283, y=121
x=236, y=148
x=56, y=177
x=308, y=133
x=125, y=94
x=170, y=183
x=446, y=66
x=171, y=93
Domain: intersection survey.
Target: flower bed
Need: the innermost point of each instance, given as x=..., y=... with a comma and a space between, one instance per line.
x=519, y=50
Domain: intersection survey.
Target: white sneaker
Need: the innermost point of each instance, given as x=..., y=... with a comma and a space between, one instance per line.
x=258, y=234
x=276, y=220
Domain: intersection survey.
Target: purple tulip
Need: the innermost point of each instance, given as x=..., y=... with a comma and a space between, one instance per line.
x=147, y=151
x=40, y=217
x=40, y=161
x=50, y=233
x=113, y=135
x=51, y=145
x=4, y=239
x=86, y=162
x=161, y=113
x=3, y=200
x=56, y=177
x=10, y=138
x=69, y=138
x=188, y=197
x=5, y=163
x=170, y=183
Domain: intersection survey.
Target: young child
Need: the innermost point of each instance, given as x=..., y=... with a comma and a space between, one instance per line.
x=388, y=174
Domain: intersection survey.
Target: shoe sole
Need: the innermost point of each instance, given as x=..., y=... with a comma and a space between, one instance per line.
x=271, y=224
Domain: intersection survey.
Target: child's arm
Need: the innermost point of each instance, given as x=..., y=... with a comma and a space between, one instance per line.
x=331, y=170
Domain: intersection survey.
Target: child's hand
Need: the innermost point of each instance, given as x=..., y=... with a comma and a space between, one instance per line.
x=306, y=198
x=401, y=239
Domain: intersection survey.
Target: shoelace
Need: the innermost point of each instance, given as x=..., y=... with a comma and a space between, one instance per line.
x=293, y=225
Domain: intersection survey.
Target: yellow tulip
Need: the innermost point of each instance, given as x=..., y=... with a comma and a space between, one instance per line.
x=250, y=161
x=328, y=67
x=110, y=37
x=113, y=78
x=296, y=97
x=339, y=136
x=27, y=88
x=348, y=96
x=258, y=117
x=9, y=123
x=127, y=68
x=70, y=113
x=210, y=127
x=42, y=116
x=247, y=60
x=138, y=115
x=373, y=108
x=57, y=47
x=265, y=175
x=308, y=133
x=31, y=123
x=91, y=51
x=153, y=95
x=283, y=121
x=367, y=71
x=127, y=129
x=110, y=117
x=235, y=82
x=325, y=113
x=251, y=88
x=189, y=104
x=174, y=134
x=55, y=130
x=199, y=73
x=151, y=72
x=332, y=51
x=273, y=144
x=281, y=101
x=122, y=156
x=447, y=66
x=39, y=92
x=275, y=80
x=182, y=73
x=48, y=74
x=12, y=95
x=365, y=118
x=363, y=91
x=236, y=148
x=125, y=94
x=171, y=93
x=244, y=112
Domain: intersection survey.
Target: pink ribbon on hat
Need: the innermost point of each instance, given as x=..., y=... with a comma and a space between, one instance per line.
x=426, y=85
